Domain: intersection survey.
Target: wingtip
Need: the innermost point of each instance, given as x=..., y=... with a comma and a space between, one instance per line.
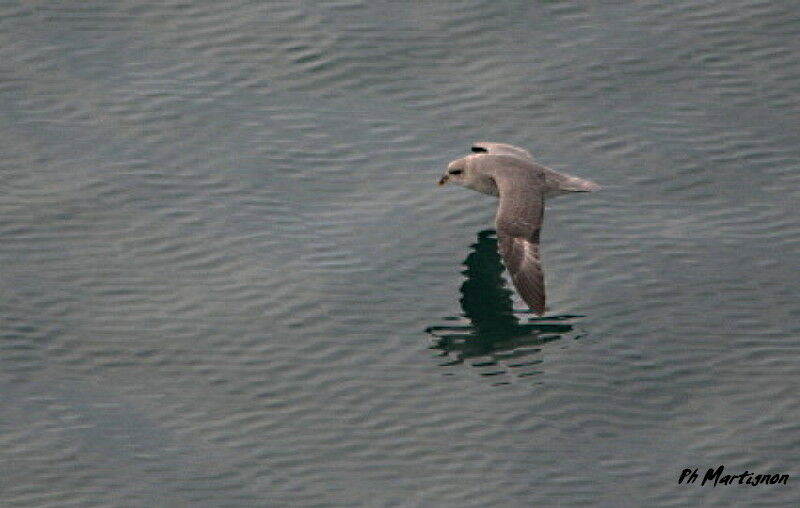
x=536, y=303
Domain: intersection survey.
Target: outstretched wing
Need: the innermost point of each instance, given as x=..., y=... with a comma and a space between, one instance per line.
x=518, y=222
x=501, y=149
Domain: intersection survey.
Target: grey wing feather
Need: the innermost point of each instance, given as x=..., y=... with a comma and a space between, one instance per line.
x=518, y=222
x=501, y=149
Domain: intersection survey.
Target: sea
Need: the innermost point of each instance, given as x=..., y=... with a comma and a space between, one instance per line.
x=229, y=279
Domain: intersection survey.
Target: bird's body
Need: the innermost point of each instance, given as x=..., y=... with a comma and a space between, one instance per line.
x=510, y=173
x=556, y=183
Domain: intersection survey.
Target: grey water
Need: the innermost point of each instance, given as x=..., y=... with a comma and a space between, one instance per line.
x=229, y=279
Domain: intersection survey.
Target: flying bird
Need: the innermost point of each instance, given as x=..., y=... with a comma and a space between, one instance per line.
x=510, y=173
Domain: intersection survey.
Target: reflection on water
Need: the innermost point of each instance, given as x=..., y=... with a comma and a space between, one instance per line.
x=492, y=337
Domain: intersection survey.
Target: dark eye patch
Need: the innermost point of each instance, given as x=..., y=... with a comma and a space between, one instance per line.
x=479, y=149
x=456, y=171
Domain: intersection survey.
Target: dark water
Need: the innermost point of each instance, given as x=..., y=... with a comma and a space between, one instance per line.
x=229, y=279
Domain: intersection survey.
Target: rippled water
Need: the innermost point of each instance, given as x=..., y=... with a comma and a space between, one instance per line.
x=230, y=280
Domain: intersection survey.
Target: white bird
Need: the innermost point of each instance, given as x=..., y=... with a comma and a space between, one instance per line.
x=510, y=173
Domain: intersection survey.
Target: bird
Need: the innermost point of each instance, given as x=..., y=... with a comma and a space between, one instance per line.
x=511, y=174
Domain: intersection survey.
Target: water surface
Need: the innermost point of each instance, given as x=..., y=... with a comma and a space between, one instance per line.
x=229, y=278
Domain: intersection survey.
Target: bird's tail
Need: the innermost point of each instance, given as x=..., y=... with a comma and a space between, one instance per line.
x=575, y=184
x=559, y=183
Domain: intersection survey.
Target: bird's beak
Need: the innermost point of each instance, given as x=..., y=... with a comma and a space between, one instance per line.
x=444, y=180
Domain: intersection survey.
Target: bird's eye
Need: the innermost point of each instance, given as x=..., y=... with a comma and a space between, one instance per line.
x=479, y=149
x=456, y=171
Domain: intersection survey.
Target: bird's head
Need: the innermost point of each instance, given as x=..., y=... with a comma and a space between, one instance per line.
x=473, y=172
x=457, y=172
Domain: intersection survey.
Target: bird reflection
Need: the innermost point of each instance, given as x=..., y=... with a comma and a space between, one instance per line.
x=494, y=339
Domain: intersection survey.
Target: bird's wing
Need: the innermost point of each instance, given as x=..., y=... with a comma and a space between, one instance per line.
x=501, y=149
x=518, y=222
